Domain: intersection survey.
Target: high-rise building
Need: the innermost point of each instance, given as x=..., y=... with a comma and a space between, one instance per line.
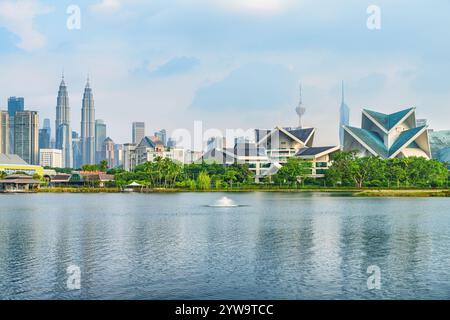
x=138, y=132
x=15, y=104
x=87, y=137
x=76, y=150
x=108, y=152
x=216, y=142
x=162, y=136
x=45, y=135
x=52, y=158
x=100, y=136
x=62, y=125
x=26, y=136
x=171, y=143
x=118, y=155
x=44, y=138
x=344, y=117
x=4, y=132
x=46, y=124
x=129, y=156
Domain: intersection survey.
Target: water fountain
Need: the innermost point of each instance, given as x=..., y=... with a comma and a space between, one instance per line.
x=224, y=202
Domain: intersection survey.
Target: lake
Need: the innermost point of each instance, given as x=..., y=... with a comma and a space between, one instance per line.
x=173, y=246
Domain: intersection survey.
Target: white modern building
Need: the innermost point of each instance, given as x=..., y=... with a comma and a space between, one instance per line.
x=51, y=158
x=393, y=135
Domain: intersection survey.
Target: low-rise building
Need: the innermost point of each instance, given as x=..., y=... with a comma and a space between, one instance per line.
x=320, y=158
x=19, y=183
x=52, y=158
x=11, y=163
x=242, y=153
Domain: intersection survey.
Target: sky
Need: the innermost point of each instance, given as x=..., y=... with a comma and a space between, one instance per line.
x=228, y=63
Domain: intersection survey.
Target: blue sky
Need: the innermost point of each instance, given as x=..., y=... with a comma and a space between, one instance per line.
x=230, y=63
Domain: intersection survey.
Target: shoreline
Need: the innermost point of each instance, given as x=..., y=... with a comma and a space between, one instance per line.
x=353, y=192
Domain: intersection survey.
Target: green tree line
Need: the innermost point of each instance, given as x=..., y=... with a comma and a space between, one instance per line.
x=350, y=170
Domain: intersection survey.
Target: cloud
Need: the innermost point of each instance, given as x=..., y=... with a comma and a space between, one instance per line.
x=107, y=6
x=252, y=87
x=18, y=18
x=255, y=6
x=175, y=66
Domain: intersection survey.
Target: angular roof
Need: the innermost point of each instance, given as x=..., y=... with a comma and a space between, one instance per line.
x=147, y=142
x=373, y=141
x=301, y=134
x=313, y=151
x=403, y=139
x=388, y=121
x=11, y=159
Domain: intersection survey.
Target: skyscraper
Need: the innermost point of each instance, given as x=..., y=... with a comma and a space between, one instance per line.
x=76, y=150
x=100, y=136
x=15, y=104
x=162, y=136
x=26, y=136
x=88, y=126
x=44, y=138
x=108, y=152
x=4, y=132
x=344, y=117
x=62, y=125
x=138, y=132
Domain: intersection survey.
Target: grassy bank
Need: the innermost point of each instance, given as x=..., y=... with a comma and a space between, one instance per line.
x=404, y=193
x=78, y=190
x=367, y=192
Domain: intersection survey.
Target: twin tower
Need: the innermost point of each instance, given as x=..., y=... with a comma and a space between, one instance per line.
x=63, y=129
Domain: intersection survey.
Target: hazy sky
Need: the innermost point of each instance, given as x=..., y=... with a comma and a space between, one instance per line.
x=230, y=63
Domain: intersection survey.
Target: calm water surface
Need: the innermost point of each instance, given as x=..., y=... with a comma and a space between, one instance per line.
x=172, y=246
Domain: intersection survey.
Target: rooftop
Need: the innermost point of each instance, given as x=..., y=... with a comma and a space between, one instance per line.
x=11, y=159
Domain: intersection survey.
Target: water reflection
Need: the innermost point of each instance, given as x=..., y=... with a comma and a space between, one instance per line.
x=282, y=246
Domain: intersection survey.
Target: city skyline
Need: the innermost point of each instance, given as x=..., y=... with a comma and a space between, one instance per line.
x=176, y=71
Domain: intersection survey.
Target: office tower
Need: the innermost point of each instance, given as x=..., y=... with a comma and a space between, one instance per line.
x=129, y=156
x=26, y=136
x=171, y=143
x=162, y=136
x=45, y=135
x=76, y=150
x=4, y=132
x=138, y=132
x=46, y=125
x=44, y=139
x=344, y=117
x=108, y=152
x=118, y=155
x=62, y=125
x=216, y=142
x=87, y=137
x=100, y=136
x=52, y=158
x=15, y=104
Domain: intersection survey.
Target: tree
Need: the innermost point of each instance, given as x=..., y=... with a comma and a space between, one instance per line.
x=203, y=181
x=293, y=171
x=103, y=166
